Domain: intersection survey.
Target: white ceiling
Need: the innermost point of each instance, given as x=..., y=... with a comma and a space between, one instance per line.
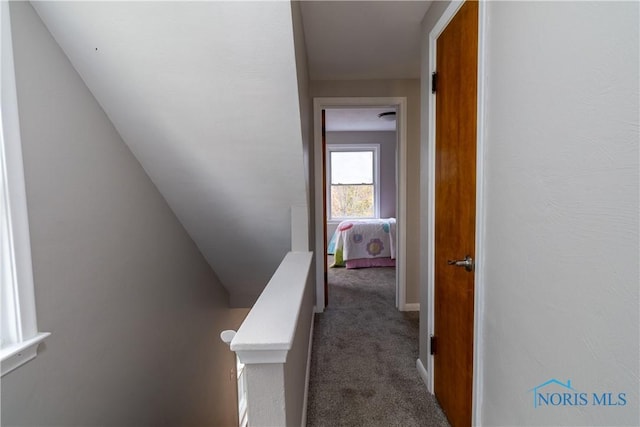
x=349, y=40
x=358, y=119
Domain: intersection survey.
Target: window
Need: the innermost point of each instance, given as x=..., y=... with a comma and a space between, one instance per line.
x=353, y=181
x=20, y=336
x=243, y=415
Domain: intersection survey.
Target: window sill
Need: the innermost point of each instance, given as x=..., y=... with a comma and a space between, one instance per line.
x=18, y=354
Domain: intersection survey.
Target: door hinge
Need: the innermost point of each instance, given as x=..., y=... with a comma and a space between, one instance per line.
x=433, y=344
x=434, y=82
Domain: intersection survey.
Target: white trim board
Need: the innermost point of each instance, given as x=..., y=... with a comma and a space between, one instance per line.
x=412, y=306
x=19, y=319
x=478, y=312
x=442, y=23
x=423, y=372
x=401, y=195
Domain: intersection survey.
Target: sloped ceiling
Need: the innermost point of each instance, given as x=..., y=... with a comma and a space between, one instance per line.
x=205, y=95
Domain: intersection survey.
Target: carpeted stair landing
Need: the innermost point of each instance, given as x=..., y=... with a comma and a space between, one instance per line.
x=363, y=365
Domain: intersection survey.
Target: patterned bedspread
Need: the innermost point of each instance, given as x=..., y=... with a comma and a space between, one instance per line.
x=366, y=238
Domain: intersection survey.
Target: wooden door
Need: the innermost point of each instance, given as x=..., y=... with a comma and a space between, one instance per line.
x=455, y=207
x=324, y=207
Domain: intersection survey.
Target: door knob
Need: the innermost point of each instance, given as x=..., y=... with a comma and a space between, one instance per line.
x=467, y=263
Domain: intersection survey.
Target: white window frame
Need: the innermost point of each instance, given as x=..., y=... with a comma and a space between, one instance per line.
x=241, y=377
x=375, y=148
x=20, y=336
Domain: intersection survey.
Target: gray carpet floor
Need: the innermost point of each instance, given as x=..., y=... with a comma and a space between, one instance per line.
x=363, y=365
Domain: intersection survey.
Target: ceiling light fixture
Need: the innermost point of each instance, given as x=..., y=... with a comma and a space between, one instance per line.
x=389, y=116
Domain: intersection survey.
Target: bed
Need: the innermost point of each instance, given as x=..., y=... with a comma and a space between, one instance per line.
x=364, y=243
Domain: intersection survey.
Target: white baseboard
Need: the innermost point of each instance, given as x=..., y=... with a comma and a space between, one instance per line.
x=423, y=374
x=414, y=306
x=308, y=374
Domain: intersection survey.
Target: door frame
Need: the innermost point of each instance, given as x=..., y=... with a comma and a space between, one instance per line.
x=400, y=103
x=478, y=342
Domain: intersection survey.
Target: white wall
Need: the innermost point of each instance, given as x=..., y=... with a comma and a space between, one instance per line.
x=133, y=307
x=306, y=113
x=306, y=123
x=387, y=142
x=561, y=251
x=409, y=88
x=561, y=197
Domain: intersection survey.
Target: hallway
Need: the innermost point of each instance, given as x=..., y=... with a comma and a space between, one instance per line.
x=363, y=369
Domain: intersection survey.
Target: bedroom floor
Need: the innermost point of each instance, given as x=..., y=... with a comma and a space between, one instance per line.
x=363, y=365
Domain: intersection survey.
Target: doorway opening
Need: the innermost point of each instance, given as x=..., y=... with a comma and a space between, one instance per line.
x=360, y=183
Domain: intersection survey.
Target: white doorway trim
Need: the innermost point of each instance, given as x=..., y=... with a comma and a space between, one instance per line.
x=400, y=103
x=478, y=343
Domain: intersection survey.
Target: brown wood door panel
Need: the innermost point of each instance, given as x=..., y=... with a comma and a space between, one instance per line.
x=324, y=207
x=455, y=205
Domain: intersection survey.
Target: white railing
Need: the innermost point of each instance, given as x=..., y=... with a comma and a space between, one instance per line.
x=274, y=344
